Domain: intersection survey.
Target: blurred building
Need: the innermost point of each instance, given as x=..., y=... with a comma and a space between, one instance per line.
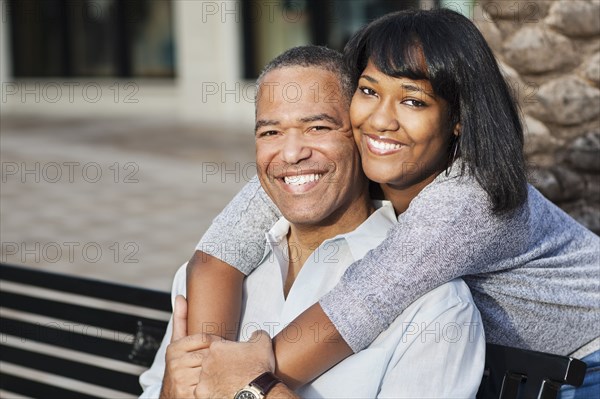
x=196, y=60
x=185, y=58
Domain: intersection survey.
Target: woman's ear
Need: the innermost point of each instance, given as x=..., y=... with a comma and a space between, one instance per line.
x=457, y=129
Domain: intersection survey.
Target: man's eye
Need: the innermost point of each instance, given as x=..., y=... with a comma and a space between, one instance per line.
x=367, y=91
x=320, y=128
x=267, y=133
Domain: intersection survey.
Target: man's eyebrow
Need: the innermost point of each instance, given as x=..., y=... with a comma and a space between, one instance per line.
x=406, y=86
x=321, y=117
x=265, y=122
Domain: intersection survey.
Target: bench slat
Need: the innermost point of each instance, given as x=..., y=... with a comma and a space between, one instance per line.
x=67, y=368
x=107, y=332
x=520, y=373
x=67, y=339
x=88, y=287
x=82, y=315
x=34, y=389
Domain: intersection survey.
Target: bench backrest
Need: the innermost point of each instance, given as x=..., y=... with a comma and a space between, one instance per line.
x=64, y=336
x=512, y=373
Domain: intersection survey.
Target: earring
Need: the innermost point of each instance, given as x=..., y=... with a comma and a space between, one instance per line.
x=453, y=157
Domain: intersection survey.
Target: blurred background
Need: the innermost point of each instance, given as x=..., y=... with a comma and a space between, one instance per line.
x=127, y=125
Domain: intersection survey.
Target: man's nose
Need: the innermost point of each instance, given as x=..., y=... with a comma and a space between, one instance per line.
x=384, y=117
x=295, y=148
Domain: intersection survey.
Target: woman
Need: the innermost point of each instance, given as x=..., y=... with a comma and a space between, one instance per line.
x=457, y=181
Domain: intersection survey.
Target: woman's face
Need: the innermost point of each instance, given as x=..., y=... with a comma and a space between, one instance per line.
x=401, y=129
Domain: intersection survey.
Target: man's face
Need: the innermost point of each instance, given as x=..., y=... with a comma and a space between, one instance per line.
x=307, y=159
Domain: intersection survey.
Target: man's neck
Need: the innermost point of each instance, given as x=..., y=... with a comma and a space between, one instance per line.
x=303, y=240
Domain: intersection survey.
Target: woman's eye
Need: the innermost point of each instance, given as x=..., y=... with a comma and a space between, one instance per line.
x=414, y=103
x=367, y=91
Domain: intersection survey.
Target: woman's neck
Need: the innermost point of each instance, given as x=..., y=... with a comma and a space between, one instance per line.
x=401, y=196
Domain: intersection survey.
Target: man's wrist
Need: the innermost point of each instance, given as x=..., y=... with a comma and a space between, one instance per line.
x=259, y=387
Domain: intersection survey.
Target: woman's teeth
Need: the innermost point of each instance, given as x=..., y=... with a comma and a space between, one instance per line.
x=301, y=179
x=380, y=145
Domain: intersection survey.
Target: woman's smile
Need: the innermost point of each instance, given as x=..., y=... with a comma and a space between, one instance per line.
x=380, y=145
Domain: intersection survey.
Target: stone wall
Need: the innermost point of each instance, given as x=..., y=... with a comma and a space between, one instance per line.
x=550, y=53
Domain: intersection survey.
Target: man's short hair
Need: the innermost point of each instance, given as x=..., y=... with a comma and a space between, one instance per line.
x=317, y=57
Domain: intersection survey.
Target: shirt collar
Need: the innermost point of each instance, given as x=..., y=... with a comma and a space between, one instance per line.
x=365, y=237
x=275, y=236
x=371, y=232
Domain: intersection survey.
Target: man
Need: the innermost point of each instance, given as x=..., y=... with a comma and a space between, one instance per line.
x=309, y=166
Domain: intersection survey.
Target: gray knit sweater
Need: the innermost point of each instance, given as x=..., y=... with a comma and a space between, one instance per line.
x=534, y=274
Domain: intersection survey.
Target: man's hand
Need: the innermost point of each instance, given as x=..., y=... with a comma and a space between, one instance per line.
x=184, y=356
x=229, y=366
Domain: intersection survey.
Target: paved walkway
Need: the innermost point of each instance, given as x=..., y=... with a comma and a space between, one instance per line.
x=118, y=200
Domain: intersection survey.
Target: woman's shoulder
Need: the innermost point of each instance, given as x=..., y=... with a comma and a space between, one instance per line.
x=452, y=195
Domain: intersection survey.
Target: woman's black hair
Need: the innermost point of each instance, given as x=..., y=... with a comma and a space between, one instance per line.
x=446, y=48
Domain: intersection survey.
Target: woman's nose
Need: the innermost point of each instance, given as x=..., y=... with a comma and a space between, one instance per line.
x=384, y=118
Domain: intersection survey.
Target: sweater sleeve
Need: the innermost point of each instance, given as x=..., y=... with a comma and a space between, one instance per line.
x=237, y=235
x=447, y=232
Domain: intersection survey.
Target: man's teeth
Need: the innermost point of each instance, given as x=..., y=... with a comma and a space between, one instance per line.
x=301, y=179
x=380, y=145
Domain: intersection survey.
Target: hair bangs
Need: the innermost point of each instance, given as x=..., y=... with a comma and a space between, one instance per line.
x=394, y=47
x=399, y=56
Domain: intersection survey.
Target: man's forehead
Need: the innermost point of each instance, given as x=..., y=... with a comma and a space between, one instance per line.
x=308, y=118
x=301, y=86
x=311, y=77
x=288, y=70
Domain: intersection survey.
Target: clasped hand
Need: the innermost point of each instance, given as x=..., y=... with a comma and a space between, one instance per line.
x=208, y=366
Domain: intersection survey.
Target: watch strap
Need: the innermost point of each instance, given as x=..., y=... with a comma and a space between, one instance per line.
x=265, y=382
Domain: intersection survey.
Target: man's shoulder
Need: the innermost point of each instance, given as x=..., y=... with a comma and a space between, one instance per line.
x=440, y=299
x=447, y=301
x=449, y=305
x=454, y=291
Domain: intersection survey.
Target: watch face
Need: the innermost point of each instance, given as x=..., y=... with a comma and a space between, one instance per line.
x=245, y=394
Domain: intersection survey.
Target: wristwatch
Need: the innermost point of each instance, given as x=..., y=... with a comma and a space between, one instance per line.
x=259, y=387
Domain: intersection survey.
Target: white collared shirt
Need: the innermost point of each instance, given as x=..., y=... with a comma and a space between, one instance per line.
x=435, y=348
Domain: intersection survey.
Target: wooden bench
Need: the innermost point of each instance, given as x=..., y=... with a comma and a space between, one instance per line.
x=72, y=337
x=517, y=373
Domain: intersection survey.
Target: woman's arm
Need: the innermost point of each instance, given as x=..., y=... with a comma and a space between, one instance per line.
x=441, y=236
x=318, y=348
x=231, y=248
x=214, y=295
x=447, y=232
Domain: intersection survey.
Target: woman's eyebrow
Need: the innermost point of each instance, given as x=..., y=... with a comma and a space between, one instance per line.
x=414, y=88
x=369, y=78
x=406, y=86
